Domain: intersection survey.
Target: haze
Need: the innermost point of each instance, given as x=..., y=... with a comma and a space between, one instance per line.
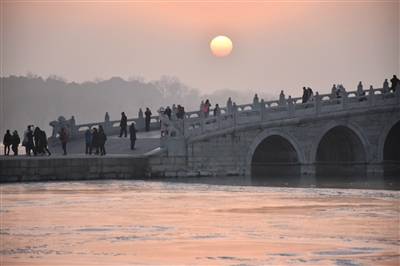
x=277, y=45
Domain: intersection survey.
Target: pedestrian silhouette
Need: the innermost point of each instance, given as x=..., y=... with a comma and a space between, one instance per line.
x=95, y=140
x=132, y=135
x=28, y=141
x=304, y=97
x=64, y=139
x=15, y=141
x=147, y=118
x=88, y=142
x=7, y=141
x=43, y=144
x=394, y=82
x=102, y=140
x=123, y=124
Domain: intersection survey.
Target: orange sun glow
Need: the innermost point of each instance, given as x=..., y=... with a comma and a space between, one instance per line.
x=221, y=46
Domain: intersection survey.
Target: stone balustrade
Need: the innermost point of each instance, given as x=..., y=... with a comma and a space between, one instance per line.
x=234, y=115
x=111, y=127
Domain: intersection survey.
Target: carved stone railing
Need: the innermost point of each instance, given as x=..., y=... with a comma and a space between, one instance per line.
x=195, y=124
x=111, y=127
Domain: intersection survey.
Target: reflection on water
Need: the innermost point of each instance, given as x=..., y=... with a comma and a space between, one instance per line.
x=354, y=182
x=185, y=223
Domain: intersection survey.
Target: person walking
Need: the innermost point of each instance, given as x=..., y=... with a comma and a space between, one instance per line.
x=15, y=141
x=147, y=118
x=88, y=142
x=64, y=139
x=43, y=144
x=102, y=141
x=132, y=135
x=7, y=142
x=123, y=124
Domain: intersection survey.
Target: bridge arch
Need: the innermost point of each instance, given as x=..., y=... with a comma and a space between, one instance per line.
x=274, y=139
x=388, y=139
x=341, y=148
x=349, y=129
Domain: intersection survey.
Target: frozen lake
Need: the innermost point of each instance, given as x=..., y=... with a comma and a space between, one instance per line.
x=174, y=223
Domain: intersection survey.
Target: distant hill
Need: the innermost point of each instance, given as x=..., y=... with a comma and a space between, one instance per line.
x=34, y=100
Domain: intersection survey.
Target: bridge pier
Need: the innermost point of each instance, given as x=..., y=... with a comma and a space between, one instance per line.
x=375, y=169
x=307, y=170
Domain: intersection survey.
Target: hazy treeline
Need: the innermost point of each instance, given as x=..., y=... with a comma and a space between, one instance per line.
x=34, y=100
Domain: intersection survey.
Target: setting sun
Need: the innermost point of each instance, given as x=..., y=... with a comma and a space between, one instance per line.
x=221, y=46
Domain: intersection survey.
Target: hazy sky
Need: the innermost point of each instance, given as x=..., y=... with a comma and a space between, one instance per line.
x=277, y=45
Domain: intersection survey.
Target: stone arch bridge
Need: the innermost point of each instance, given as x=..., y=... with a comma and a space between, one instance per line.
x=357, y=132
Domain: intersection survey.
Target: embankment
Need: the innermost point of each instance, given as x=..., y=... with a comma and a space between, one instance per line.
x=17, y=169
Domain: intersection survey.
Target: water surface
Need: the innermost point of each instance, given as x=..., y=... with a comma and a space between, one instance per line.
x=174, y=223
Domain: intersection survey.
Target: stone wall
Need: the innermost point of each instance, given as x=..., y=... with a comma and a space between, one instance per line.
x=229, y=152
x=77, y=168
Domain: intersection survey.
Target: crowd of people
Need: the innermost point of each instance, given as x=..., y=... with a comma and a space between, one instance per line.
x=132, y=129
x=34, y=141
x=12, y=141
x=308, y=95
x=177, y=111
x=95, y=141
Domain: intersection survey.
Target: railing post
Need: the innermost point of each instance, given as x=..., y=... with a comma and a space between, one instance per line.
x=317, y=106
x=234, y=111
x=140, y=125
x=397, y=93
x=290, y=106
x=107, y=124
x=262, y=109
x=344, y=99
x=371, y=96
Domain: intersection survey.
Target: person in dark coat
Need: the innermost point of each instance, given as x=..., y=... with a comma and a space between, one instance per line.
x=28, y=141
x=88, y=142
x=102, y=140
x=36, y=140
x=180, y=112
x=95, y=141
x=43, y=144
x=148, y=118
x=123, y=125
x=217, y=111
x=168, y=112
x=132, y=135
x=64, y=139
x=206, y=108
x=394, y=82
x=310, y=94
x=7, y=141
x=305, y=94
x=15, y=141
